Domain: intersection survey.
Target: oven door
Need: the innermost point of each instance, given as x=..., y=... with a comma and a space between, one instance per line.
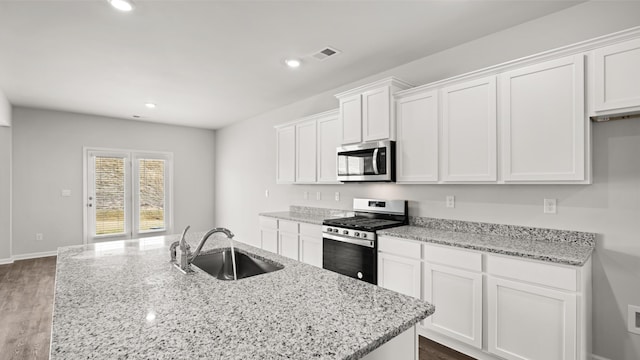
x=351, y=257
x=367, y=162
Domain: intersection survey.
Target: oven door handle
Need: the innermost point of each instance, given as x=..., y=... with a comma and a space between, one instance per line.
x=375, y=161
x=367, y=243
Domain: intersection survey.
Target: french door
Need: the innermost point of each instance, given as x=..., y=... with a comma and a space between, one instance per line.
x=128, y=194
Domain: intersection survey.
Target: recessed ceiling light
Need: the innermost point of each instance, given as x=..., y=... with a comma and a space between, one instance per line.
x=122, y=5
x=150, y=105
x=293, y=63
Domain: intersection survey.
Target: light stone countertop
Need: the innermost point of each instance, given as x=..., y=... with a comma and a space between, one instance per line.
x=124, y=299
x=567, y=253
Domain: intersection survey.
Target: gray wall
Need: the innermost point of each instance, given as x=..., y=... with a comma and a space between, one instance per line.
x=47, y=157
x=245, y=156
x=5, y=110
x=5, y=193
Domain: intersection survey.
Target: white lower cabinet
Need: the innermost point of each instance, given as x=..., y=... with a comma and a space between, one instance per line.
x=457, y=295
x=288, y=245
x=399, y=265
x=531, y=322
x=268, y=234
x=311, y=244
x=298, y=241
x=399, y=274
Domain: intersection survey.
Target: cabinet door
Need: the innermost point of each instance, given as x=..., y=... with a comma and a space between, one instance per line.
x=351, y=118
x=376, y=114
x=457, y=294
x=469, y=146
x=311, y=250
x=399, y=274
x=417, y=143
x=530, y=322
x=329, y=139
x=269, y=240
x=543, y=121
x=288, y=245
x=306, y=152
x=617, y=76
x=286, y=157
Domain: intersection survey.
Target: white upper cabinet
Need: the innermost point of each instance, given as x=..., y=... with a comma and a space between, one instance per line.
x=543, y=121
x=617, y=77
x=306, y=152
x=351, y=116
x=306, y=149
x=329, y=139
x=469, y=131
x=417, y=138
x=367, y=113
x=376, y=114
x=286, y=158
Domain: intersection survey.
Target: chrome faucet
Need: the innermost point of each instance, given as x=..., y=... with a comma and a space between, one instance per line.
x=185, y=251
x=186, y=257
x=206, y=236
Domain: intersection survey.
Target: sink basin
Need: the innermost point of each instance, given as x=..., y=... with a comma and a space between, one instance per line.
x=220, y=266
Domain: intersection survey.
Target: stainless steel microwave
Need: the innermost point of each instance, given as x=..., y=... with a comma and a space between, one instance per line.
x=373, y=161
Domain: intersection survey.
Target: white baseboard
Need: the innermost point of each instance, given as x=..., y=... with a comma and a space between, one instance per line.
x=34, y=255
x=596, y=357
x=6, y=261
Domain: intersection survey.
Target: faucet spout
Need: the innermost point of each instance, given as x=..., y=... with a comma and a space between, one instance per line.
x=206, y=236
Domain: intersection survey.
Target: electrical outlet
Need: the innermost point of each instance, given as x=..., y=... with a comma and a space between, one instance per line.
x=318, y=196
x=266, y=193
x=633, y=319
x=451, y=201
x=550, y=206
x=306, y=195
x=337, y=196
x=39, y=237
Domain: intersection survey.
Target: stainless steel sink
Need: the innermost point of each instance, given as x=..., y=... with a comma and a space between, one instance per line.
x=220, y=265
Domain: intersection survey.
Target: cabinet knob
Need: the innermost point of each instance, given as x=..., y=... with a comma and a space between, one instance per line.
x=359, y=275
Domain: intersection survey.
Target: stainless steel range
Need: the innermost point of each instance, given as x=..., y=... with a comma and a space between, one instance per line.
x=350, y=244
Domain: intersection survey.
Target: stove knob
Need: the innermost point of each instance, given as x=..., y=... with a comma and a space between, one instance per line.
x=329, y=229
x=335, y=230
x=356, y=234
x=364, y=235
x=345, y=232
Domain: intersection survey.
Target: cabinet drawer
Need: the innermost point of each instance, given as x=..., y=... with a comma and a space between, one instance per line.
x=400, y=247
x=268, y=223
x=462, y=259
x=533, y=272
x=288, y=226
x=310, y=230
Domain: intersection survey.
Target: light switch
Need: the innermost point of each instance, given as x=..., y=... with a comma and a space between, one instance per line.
x=65, y=192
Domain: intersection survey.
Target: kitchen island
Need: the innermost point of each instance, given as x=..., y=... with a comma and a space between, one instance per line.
x=124, y=299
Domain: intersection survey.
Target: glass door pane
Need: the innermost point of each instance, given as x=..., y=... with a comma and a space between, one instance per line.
x=151, y=197
x=109, y=207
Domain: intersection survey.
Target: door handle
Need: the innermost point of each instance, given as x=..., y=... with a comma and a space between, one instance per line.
x=375, y=161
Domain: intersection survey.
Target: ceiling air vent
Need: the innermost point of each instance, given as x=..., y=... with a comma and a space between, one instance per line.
x=325, y=53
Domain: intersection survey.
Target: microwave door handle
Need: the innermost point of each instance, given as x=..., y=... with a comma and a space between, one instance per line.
x=375, y=161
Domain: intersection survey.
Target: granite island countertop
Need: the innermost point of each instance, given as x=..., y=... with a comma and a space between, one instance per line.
x=124, y=299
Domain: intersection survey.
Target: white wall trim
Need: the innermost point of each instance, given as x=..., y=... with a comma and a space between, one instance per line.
x=596, y=357
x=6, y=261
x=34, y=255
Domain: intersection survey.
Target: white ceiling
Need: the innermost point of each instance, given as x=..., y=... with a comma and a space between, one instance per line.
x=210, y=63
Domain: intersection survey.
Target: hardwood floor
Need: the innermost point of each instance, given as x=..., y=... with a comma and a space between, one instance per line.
x=26, y=305
x=431, y=350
